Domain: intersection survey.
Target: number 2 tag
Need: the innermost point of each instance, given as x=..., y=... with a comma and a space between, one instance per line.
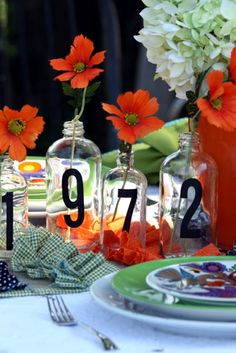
x=185, y=231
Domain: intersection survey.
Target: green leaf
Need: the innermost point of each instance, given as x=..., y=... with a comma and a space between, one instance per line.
x=67, y=90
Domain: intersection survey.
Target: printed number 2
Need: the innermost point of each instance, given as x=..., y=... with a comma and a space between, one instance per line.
x=78, y=202
x=8, y=198
x=186, y=232
x=132, y=193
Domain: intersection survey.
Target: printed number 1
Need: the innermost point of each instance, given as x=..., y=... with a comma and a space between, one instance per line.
x=8, y=198
x=132, y=193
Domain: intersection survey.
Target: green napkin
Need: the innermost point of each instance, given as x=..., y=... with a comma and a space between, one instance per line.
x=152, y=150
x=43, y=255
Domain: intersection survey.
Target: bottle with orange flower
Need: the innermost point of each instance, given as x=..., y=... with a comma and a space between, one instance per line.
x=73, y=163
x=18, y=130
x=124, y=187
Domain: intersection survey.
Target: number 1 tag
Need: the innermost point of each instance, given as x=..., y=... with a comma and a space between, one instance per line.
x=8, y=198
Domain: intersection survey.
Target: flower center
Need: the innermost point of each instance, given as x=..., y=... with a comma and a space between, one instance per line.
x=79, y=67
x=16, y=126
x=131, y=119
x=217, y=104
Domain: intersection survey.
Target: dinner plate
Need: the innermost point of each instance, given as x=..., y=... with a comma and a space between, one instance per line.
x=207, y=282
x=103, y=293
x=130, y=282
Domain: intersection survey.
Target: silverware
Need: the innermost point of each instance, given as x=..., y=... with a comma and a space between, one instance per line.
x=61, y=315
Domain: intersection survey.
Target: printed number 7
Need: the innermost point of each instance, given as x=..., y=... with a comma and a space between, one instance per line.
x=132, y=193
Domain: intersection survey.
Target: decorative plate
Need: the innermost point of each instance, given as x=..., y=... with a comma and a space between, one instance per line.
x=210, y=281
x=103, y=293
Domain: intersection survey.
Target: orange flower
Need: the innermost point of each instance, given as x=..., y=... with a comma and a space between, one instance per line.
x=134, y=117
x=18, y=130
x=220, y=108
x=78, y=65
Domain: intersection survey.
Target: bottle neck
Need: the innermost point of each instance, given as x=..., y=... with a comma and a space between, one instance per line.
x=5, y=162
x=125, y=159
x=71, y=127
x=189, y=140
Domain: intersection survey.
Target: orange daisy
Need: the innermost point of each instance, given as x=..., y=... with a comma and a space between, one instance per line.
x=78, y=65
x=134, y=118
x=220, y=108
x=18, y=130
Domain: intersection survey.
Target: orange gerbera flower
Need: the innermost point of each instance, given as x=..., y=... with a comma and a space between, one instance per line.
x=220, y=108
x=79, y=63
x=135, y=116
x=18, y=130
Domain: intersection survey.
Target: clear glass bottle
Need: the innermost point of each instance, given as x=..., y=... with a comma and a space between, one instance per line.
x=123, y=203
x=188, y=199
x=14, y=202
x=83, y=194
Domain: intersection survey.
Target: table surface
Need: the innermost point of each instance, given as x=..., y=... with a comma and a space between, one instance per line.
x=25, y=326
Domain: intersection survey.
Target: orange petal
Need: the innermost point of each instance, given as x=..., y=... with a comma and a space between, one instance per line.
x=112, y=109
x=28, y=112
x=81, y=79
x=60, y=65
x=149, y=108
x=214, y=80
x=35, y=126
x=98, y=58
x=10, y=113
x=3, y=118
x=127, y=134
x=118, y=123
x=17, y=150
x=4, y=142
x=125, y=102
x=84, y=47
x=65, y=77
x=147, y=125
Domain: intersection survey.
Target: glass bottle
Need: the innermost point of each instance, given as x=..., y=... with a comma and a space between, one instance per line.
x=14, y=202
x=82, y=187
x=188, y=199
x=123, y=203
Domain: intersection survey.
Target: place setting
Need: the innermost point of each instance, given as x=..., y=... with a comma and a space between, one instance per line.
x=151, y=293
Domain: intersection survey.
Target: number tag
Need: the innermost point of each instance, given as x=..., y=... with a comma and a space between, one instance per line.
x=131, y=193
x=8, y=198
x=185, y=231
x=79, y=202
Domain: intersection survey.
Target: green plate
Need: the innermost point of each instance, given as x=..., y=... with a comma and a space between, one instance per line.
x=131, y=283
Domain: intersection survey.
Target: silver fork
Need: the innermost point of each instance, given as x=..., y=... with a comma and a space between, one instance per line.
x=61, y=315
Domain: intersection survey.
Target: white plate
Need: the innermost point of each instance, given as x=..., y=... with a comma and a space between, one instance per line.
x=206, y=282
x=102, y=292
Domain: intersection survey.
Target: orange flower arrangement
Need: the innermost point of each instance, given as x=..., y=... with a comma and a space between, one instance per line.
x=135, y=116
x=19, y=130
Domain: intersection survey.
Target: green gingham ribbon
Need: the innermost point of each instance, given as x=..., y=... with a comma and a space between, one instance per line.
x=41, y=255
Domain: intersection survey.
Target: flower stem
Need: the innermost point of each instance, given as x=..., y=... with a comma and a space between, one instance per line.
x=77, y=116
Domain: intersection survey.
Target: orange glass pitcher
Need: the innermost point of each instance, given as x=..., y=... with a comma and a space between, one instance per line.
x=221, y=145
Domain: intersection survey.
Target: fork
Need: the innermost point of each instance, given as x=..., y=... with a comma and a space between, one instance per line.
x=61, y=315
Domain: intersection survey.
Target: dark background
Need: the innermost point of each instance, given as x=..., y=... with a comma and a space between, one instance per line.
x=34, y=31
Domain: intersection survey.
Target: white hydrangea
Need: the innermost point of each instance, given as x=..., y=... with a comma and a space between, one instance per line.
x=186, y=37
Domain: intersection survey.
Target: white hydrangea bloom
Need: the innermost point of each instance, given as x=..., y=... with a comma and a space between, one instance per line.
x=186, y=37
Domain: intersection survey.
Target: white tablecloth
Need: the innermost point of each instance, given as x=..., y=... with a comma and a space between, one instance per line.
x=25, y=327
